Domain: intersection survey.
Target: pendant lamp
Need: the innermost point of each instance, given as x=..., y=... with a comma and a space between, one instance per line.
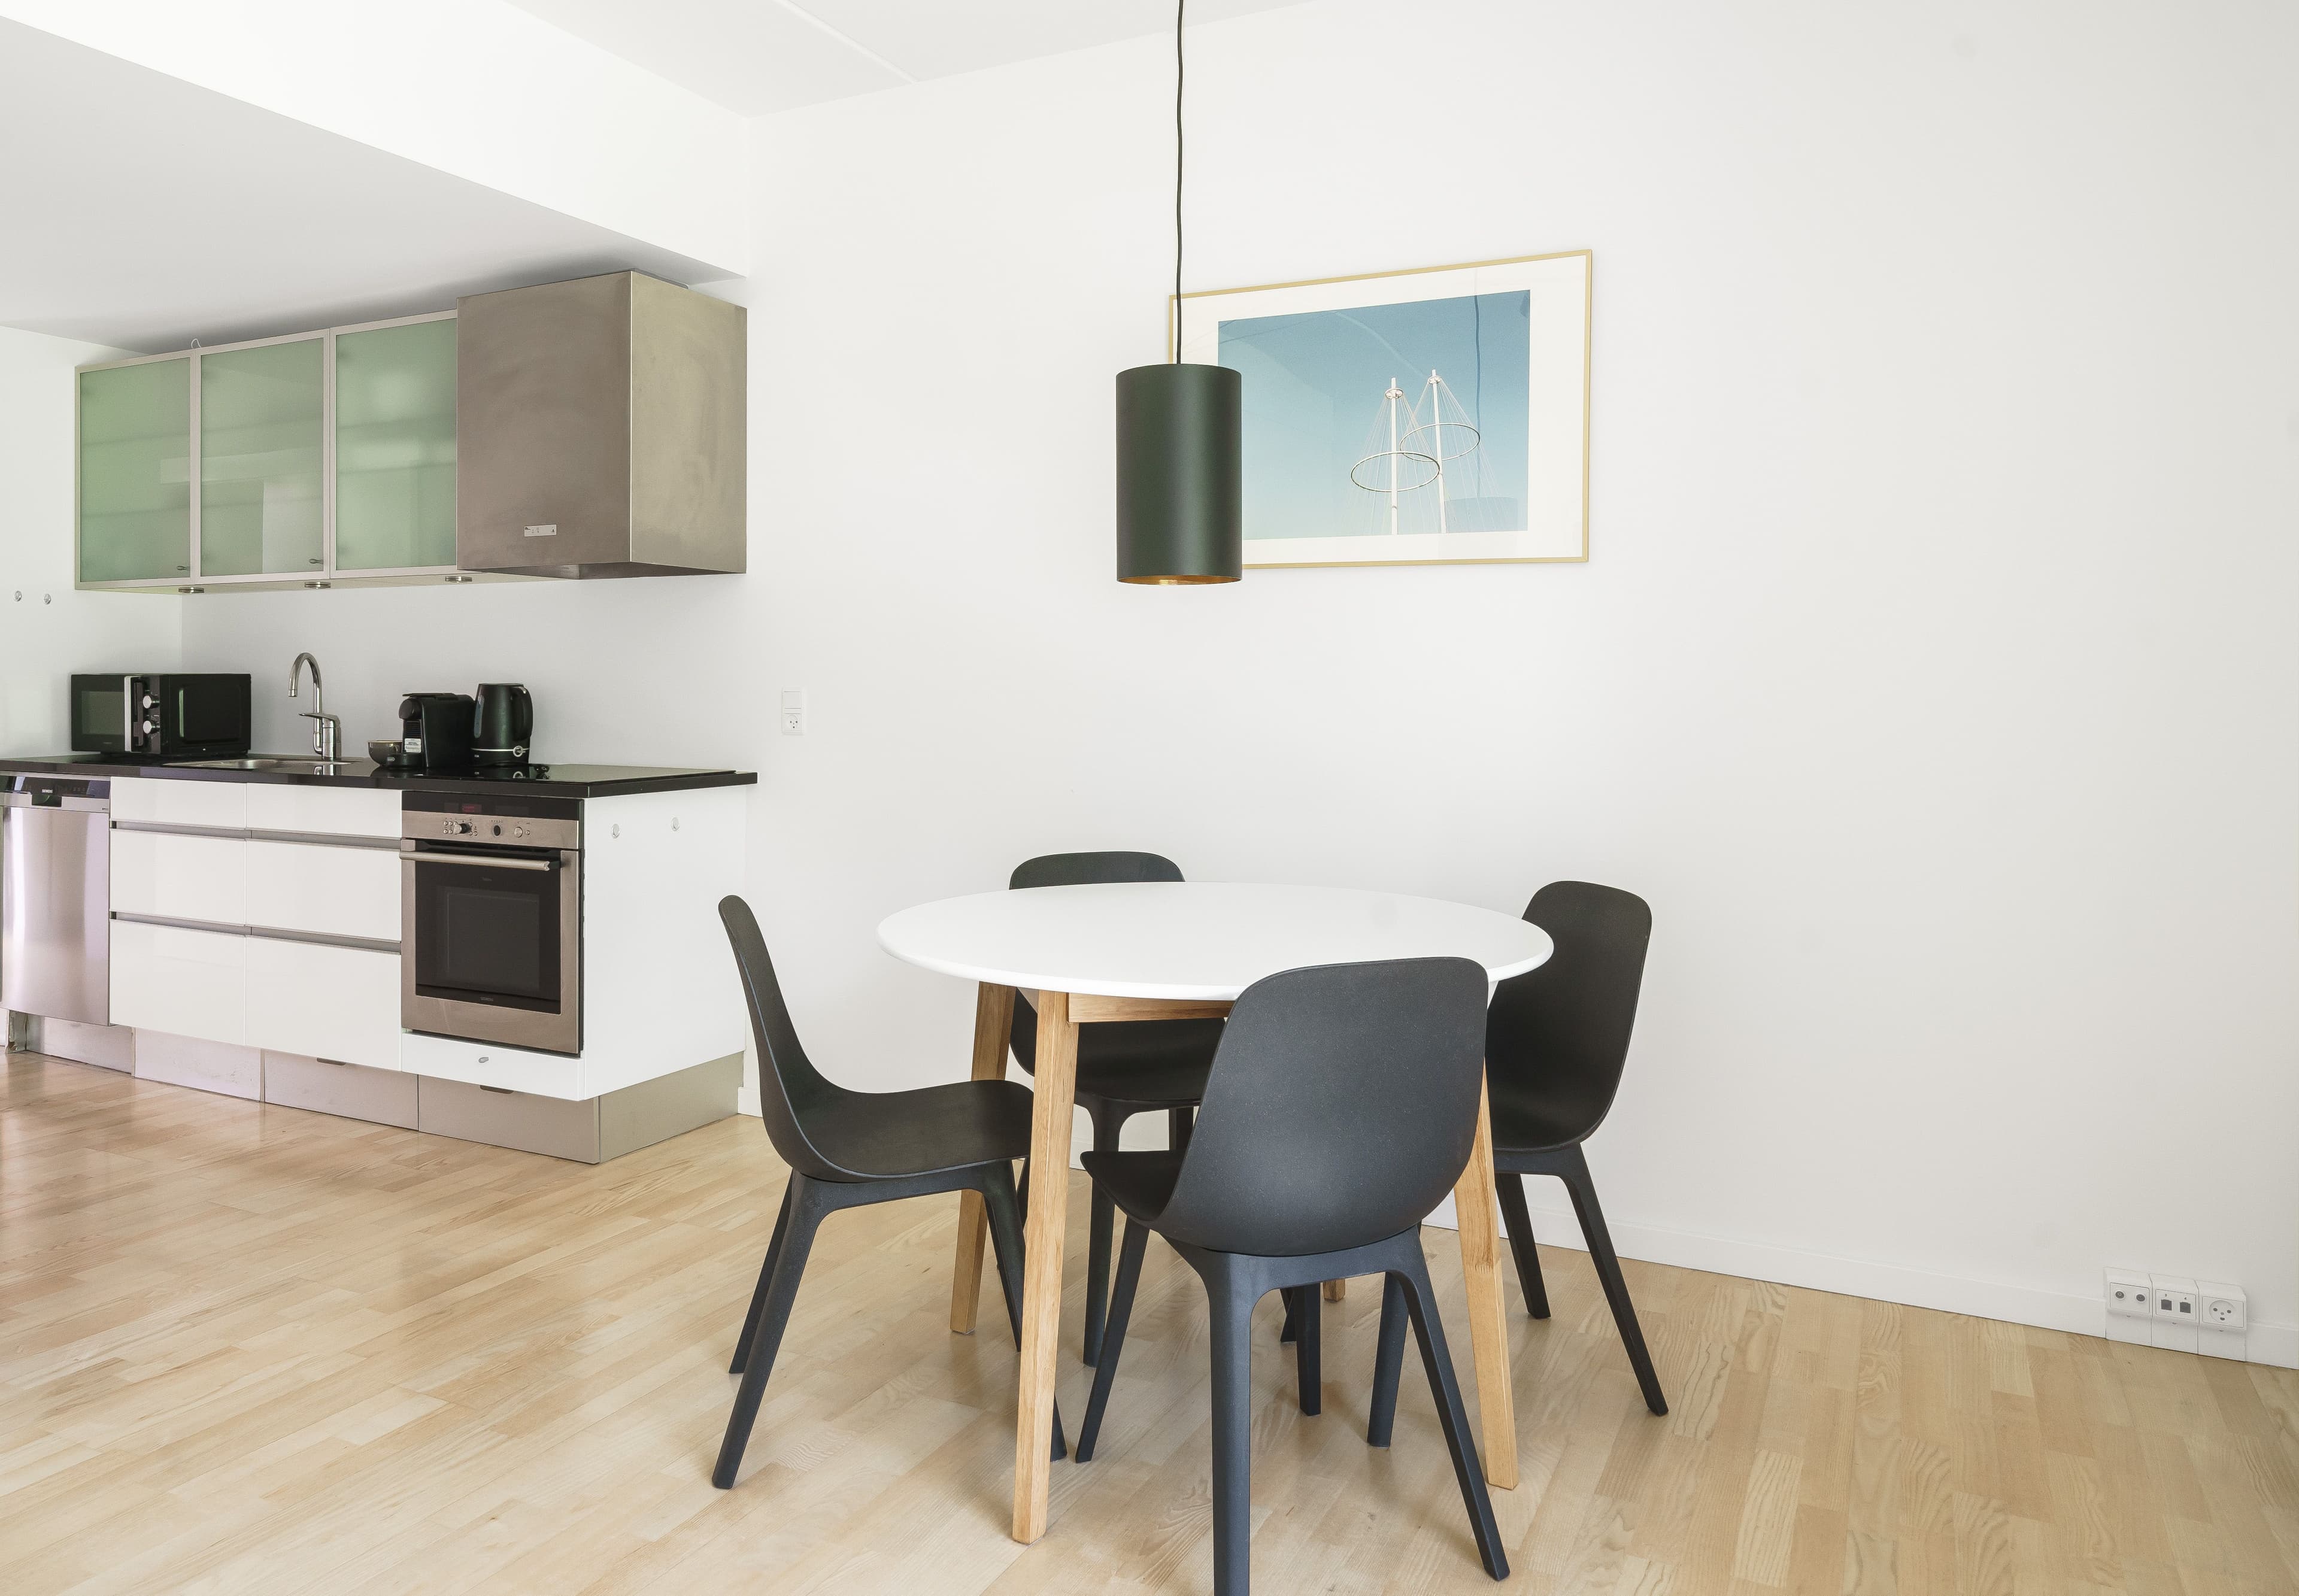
x=1181, y=489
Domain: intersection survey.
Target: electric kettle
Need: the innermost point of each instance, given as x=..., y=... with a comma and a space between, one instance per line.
x=502, y=726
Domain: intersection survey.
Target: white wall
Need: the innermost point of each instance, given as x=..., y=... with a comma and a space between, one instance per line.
x=1933, y=676
x=47, y=631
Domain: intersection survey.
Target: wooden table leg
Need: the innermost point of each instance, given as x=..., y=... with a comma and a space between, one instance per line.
x=993, y=1023
x=1336, y=1290
x=1476, y=1208
x=1056, y=1091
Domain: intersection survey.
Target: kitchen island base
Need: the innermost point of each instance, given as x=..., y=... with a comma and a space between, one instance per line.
x=588, y=1130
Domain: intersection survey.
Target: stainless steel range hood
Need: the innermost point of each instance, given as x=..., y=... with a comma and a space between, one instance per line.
x=599, y=429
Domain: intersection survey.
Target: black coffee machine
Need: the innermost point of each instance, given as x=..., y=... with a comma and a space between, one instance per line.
x=503, y=727
x=435, y=731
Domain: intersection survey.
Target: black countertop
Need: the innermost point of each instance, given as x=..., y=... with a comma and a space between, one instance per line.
x=548, y=781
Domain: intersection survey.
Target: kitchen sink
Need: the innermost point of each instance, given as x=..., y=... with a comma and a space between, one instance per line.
x=286, y=765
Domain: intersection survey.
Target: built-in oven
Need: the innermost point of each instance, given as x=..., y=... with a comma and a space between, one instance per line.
x=160, y=715
x=490, y=919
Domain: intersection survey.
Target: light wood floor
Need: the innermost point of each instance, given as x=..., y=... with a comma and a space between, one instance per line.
x=246, y=1349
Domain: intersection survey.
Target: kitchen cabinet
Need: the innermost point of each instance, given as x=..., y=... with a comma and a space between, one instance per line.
x=323, y=1001
x=183, y=982
x=169, y=875
x=263, y=428
x=396, y=447
x=346, y=811
x=135, y=471
x=288, y=461
x=324, y=889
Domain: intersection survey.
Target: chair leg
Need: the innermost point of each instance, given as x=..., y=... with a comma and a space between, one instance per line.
x=1290, y=1325
x=1388, y=1363
x=766, y=1273
x=805, y=1213
x=1430, y=1330
x=1121, y=1310
x=1583, y=1192
x=1309, y=1374
x=1004, y=1210
x=1519, y=1219
x=1232, y=1301
x=1102, y=1221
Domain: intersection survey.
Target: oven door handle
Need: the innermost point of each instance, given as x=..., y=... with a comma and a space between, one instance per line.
x=490, y=861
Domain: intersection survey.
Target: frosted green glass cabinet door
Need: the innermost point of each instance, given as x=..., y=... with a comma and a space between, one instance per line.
x=396, y=448
x=134, y=473
x=261, y=438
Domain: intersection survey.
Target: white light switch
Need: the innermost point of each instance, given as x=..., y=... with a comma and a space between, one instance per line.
x=793, y=712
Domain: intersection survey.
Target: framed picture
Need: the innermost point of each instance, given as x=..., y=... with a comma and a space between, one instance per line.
x=1435, y=417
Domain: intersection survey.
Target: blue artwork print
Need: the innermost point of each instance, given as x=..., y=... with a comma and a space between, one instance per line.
x=1386, y=419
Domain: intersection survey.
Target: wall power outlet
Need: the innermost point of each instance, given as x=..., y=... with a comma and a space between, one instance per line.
x=2209, y=1316
x=2226, y=1319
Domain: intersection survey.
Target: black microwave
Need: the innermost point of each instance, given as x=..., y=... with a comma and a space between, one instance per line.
x=160, y=716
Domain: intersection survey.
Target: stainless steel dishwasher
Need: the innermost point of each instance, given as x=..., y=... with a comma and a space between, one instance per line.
x=55, y=891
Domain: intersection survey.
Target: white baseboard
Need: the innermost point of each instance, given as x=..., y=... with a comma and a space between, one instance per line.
x=2277, y=1344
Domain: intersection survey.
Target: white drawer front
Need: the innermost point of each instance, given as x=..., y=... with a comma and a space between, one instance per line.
x=324, y=1003
x=347, y=812
x=340, y=892
x=178, y=877
x=488, y=1064
x=180, y=802
x=186, y=983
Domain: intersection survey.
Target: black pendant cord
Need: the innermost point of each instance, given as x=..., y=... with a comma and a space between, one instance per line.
x=1179, y=6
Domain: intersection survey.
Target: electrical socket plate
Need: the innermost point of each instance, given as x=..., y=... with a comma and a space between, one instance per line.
x=2174, y=1313
x=2226, y=1319
x=793, y=711
x=2130, y=1306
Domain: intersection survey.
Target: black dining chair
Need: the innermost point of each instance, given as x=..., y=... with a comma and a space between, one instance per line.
x=850, y=1149
x=1123, y=1068
x=1557, y=1039
x=1341, y=1108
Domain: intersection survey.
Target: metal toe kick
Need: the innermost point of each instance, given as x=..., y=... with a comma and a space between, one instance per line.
x=588, y=1130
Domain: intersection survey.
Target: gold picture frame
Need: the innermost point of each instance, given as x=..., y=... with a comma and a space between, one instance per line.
x=1558, y=365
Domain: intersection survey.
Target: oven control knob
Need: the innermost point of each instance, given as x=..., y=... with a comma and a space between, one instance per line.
x=149, y=728
x=149, y=702
x=497, y=829
x=459, y=828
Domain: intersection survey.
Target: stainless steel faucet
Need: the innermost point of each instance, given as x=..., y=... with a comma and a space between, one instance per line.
x=327, y=731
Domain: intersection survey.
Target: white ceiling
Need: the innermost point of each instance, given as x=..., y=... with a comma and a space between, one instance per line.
x=755, y=56
x=143, y=212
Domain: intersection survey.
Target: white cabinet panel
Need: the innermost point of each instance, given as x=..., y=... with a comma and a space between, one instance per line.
x=180, y=802
x=186, y=983
x=324, y=1003
x=490, y=1064
x=342, y=892
x=347, y=812
x=182, y=877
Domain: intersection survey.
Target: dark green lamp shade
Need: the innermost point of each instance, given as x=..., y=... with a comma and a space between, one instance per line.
x=1180, y=488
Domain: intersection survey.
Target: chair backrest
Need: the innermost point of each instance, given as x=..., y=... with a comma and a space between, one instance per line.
x=1341, y=1108
x=1561, y=1031
x=1075, y=869
x=789, y=1084
x=1081, y=870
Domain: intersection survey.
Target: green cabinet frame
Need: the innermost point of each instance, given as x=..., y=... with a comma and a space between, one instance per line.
x=395, y=446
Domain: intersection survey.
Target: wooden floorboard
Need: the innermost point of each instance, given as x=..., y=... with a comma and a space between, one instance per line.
x=245, y=1348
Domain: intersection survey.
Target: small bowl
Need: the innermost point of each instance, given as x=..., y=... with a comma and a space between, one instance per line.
x=388, y=751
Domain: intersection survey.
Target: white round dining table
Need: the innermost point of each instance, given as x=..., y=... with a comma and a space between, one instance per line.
x=1166, y=950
